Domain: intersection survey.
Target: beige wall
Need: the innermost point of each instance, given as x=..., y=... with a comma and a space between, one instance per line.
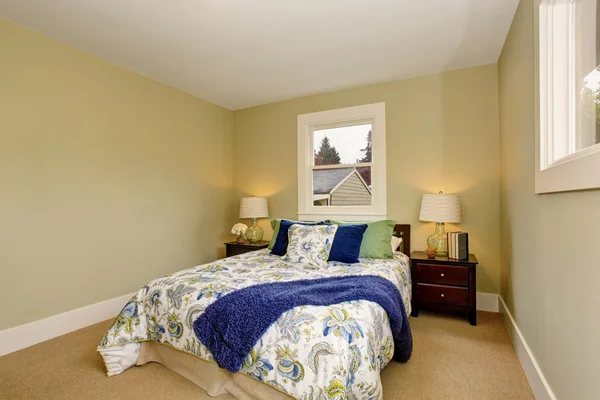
x=107, y=179
x=442, y=134
x=549, y=243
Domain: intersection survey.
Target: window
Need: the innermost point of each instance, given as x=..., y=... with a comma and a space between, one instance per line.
x=341, y=164
x=568, y=151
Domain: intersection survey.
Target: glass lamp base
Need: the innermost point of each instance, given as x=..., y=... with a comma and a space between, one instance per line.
x=255, y=233
x=438, y=240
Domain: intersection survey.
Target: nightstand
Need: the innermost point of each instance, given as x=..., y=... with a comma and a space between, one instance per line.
x=234, y=248
x=444, y=284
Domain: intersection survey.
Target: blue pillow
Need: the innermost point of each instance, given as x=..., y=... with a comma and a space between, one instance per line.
x=281, y=243
x=346, y=243
x=345, y=247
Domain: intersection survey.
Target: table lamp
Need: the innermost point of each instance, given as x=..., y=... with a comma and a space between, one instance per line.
x=254, y=207
x=440, y=208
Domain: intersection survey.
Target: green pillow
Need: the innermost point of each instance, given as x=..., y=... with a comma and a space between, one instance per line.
x=275, y=225
x=377, y=238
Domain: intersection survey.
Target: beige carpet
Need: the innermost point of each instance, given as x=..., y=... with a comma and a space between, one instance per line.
x=451, y=360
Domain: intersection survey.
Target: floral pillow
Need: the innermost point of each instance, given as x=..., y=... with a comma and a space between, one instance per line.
x=310, y=244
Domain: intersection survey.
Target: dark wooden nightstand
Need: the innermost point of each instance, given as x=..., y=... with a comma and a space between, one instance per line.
x=234, y=248
x=444, y=284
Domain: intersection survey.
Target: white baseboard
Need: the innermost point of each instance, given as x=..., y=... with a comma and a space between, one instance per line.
x=539, y=385
x=22, y=336
x=487, y=302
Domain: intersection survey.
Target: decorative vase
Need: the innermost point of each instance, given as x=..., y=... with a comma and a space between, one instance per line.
x=240, y=238
x=255, y=233
x=438, y=240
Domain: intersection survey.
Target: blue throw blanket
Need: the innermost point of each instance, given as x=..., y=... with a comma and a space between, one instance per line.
x=231, y=326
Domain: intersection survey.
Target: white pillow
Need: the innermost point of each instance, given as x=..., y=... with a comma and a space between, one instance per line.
x=310, y=244
x=396, y=242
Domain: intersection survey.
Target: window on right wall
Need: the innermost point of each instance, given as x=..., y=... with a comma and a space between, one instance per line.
x=568, y=145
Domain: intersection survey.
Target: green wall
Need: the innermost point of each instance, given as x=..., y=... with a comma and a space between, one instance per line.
x=441, y=132
x=108, y=179
x=550, y=262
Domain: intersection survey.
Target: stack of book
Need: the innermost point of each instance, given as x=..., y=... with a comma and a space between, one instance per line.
x=458, y=245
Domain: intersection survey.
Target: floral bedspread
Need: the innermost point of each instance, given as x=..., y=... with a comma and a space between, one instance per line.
x=311, y=352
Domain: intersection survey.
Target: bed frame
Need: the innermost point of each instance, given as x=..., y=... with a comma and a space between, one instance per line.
x=403, y=231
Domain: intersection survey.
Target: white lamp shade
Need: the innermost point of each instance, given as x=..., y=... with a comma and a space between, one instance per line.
x=254, y=207
x=440, y=208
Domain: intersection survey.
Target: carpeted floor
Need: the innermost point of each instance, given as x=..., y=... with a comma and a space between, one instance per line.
x=451, y=360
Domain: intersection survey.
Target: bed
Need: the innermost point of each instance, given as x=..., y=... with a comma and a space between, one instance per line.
x=310, y=352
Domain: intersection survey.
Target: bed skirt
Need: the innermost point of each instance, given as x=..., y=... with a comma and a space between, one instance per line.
x=214, y=380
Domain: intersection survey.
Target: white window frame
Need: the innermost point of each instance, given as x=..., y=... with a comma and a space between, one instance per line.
x=307, y=123
x=556, y=107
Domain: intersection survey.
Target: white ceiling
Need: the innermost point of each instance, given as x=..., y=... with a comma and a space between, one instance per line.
x=241, y=53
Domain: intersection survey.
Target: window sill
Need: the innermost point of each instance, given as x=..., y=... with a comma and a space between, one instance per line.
x=578, y=174
x=319, y=216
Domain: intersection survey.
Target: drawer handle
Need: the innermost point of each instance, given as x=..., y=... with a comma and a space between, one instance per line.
x=442, y=275
x=442, y=294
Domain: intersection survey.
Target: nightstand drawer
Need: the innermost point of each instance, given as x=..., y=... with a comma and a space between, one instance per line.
x=443, y=274
x=235, y=249
x=455, y=296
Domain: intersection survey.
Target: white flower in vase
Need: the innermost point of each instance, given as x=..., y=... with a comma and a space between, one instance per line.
x=239, y=229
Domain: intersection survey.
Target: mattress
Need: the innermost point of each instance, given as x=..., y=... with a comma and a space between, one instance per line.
x=310, y=352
